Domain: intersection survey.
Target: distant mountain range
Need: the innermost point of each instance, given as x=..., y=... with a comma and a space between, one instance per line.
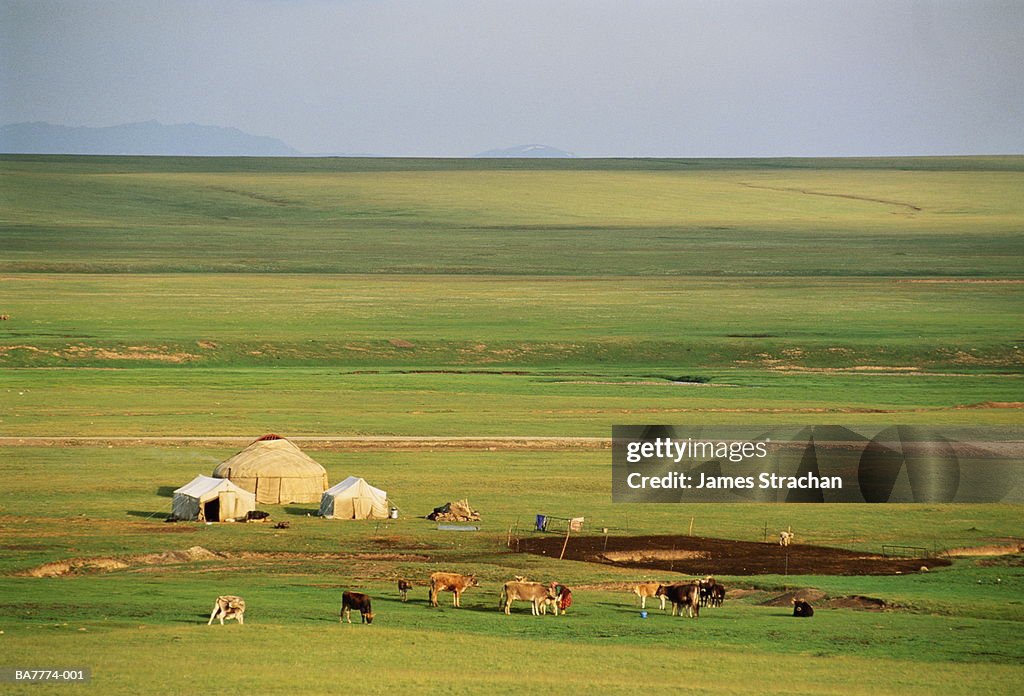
x=146, y=138
x=527, y=151
x=182, y=139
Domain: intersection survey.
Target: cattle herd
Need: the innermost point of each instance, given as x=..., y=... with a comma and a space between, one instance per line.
x=687, y=596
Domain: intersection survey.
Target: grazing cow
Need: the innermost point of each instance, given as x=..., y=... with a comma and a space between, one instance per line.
x=684, y=595
x=357, y=601
x=802, y=608
x=450, y=582
x=785, y=538
x=644, y=590
x=403, y=589
x=228, y=607
x=538, y=594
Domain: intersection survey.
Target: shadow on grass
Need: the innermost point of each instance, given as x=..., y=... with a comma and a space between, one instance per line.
x=160, y=515
x=301, y=511
x=166, y=491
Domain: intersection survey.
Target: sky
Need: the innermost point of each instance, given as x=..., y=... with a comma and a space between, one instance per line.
x=670, y=78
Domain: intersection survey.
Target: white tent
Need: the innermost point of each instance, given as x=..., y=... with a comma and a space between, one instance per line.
x=211, y=500
x=354, y=499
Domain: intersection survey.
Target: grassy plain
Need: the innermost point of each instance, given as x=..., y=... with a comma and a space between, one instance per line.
x=952, y=625
x=189, y=297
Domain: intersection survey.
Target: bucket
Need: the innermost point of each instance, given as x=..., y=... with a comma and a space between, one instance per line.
x=643, y=615
x=393, y=514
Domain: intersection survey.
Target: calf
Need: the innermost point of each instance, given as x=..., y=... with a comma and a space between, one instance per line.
x=450, y=582
x=687, y=596
x=644, y=590
x=228, y=607
x=538, y=594
x=358, y=601
x=785, y=538
x=403, y=589
x=802, y=608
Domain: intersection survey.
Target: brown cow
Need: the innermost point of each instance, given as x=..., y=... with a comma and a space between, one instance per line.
x=403, y=589
x=358, y=601
x=644, y=590
x=450, y=582
x=536, y=593
x=684, y=595
x=228, y=607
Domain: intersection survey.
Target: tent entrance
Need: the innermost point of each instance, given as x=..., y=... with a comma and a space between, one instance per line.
x=362, y=508
x=211, y=510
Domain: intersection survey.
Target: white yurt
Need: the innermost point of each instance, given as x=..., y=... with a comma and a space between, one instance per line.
x=211, y=500
x=276, y=471
x=354, y=499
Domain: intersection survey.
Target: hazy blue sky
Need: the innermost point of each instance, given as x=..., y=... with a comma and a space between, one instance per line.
x=598, y=78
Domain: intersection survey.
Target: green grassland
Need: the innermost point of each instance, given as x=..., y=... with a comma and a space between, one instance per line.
x=933, y=216
x=952, y=625
x=184, y=297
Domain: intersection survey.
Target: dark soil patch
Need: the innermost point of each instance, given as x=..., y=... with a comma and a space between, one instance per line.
x=820, y=600
x=705, y=556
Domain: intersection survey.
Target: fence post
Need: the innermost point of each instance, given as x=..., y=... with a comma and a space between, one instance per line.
x=567, y=530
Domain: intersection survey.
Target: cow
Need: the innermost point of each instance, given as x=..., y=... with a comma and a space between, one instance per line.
x=403, y=589
x=785, y=538
x=717, y=597
x=684, y=595
x=450, y=582
x=538, y=594
x=712, y=594
x=644, y=590
x=802, y=608
x=228, y=607
x=359, y=602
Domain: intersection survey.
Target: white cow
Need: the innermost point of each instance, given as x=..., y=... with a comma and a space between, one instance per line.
x=785, y=538
x=644, y=590
x=228, y=607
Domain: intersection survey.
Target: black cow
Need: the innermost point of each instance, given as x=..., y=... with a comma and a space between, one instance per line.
x=802, y=608
x=717, y=595
x=688, y=596
x=358, y=601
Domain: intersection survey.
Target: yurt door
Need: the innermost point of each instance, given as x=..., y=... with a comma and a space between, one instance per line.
x=228, y=502
x=361, y=508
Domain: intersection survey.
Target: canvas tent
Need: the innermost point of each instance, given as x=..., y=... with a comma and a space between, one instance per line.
x=211, y=500
x=354, y=499
x=276, y=471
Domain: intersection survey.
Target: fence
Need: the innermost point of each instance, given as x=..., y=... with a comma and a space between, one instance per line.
x=898, y=551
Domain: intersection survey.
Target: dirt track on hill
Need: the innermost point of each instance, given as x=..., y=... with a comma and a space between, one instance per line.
x=325, y=442
x=699, y=556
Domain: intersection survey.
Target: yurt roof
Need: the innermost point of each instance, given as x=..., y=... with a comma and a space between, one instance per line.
x=201, y=485
x=270, y=457
x=343, y=486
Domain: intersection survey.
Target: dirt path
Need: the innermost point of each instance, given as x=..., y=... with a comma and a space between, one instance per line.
x=323, y=442
x=849, y=196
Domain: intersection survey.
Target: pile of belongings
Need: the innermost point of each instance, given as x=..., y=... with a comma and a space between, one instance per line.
x=459, y=511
